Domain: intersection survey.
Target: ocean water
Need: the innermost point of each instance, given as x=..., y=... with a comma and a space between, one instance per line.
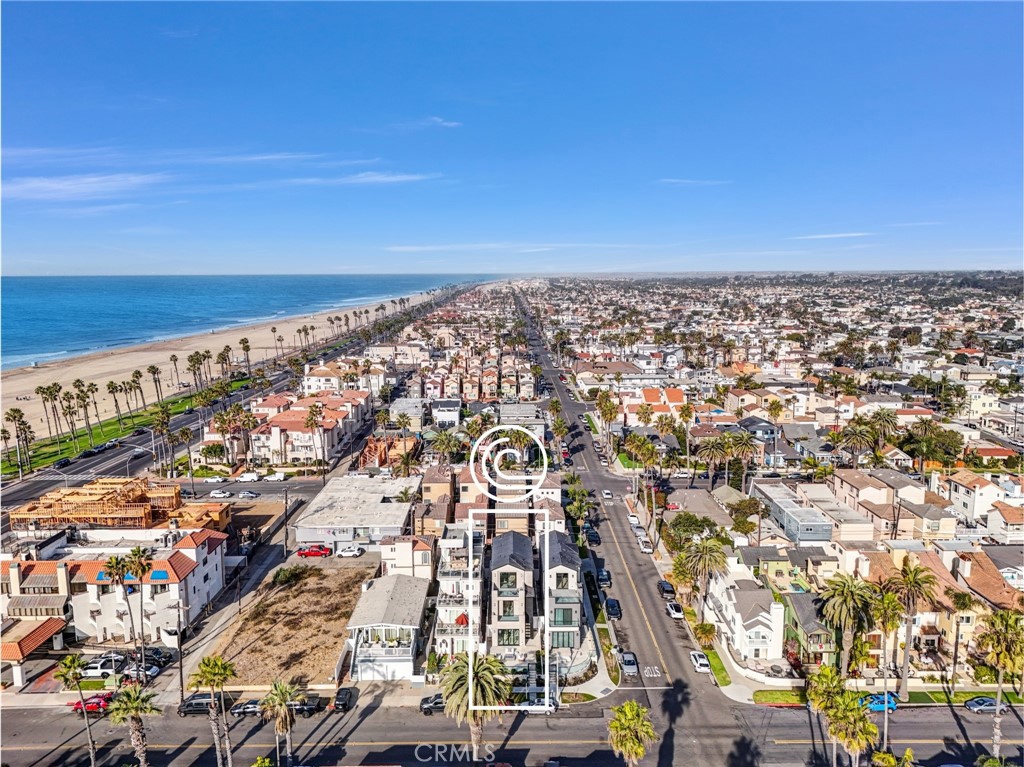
x=48, y=318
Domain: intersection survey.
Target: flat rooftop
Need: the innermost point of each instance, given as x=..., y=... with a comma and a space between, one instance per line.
x=358, y=501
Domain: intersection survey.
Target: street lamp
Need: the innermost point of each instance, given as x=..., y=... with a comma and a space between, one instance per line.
x=65, y=476
x=181, y=655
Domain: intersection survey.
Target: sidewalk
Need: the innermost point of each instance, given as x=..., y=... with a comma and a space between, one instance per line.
x=601, y=684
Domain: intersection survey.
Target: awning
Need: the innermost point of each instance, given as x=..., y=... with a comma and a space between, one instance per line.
x=20, y=638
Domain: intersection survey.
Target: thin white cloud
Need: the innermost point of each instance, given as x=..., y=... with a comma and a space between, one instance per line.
x=87, y=186
x=918, y=223
x=839, y=236
x=259, y=158
x=178, y=34
x=519, y=247
x=692, y=182
x=367, y=177
x=440, y=122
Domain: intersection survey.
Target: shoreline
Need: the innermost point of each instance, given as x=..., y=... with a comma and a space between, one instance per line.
x=118, y=363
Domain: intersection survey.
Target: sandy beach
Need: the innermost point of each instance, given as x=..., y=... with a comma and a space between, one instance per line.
x=118, y=364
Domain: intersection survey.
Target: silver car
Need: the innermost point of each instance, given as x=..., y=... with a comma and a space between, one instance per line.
x=629, y=664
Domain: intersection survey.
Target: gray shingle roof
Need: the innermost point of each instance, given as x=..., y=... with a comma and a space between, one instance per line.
x=513, y=549
x=394, y=600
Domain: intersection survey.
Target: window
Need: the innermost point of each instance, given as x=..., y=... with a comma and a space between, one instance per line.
x=508, y=637
x=508, y=608
x=506, y=580
x=205, y=560
x=561, y=580
x=502, y=524
x=563, y=639
x=159, y=588
x=562, y=616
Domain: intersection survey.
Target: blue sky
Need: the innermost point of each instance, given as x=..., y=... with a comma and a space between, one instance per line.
x=143, y=138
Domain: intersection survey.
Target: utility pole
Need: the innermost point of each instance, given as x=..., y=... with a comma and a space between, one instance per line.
x=285, y=547
x=181, y=659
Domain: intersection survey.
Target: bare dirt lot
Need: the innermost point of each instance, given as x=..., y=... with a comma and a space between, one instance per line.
x=295, y=632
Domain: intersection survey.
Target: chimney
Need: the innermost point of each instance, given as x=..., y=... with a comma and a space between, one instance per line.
x=963, y=566
x=15, y=574
x=63, y=579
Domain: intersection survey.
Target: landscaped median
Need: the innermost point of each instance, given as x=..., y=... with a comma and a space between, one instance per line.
x=780, y=697
x=609, y=655
x=590, y=423
x=717, y=667
x=917, y=697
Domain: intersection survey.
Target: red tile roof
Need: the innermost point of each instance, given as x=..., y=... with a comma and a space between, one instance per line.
x=17, y=650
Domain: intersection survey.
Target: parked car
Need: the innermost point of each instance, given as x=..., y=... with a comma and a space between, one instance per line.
x=629, y=664
x=141, y=672
x=539, y=706
x=248, y=494
x=593, y=538
x=703, y=475
x=214, y=480
x=613, y=610
x=665, y=590
x=196, y=703
x=139, y=453
x=155, y=656
x=607, y=494
x=638, y=531
x=680, y=474
x=674, y=610
x=604, y=462
x=434, y=703
x=87, y=453
x=221, y=494
x=344, y=700
x=101, y=668
x=306, y=707
x=138, y=432
x=62, y=463
x=645, y=546
x=94, y=704
x=879, y=702
x=700, y=662
x=985, y=704
x=315, y=550
x=249, y=707
x=604, y=578
x=112, y=444
x=352, y=551
x=633, y=519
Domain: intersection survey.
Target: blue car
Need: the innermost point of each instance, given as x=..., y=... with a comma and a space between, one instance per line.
x=879, y=702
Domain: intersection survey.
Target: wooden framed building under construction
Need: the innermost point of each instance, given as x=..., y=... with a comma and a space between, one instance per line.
x=106, y=502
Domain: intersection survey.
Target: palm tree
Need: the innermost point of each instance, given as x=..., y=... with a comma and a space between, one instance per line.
x=554, y=407
x=705, y=634
x=888, y=759
x=447, y=444
x=407, y=463
x=774, y=409
x=275, y=705
x=846, y=605
x=743, y=447
x=70, y=672
x=116, y=570
x=213, y=673
x=1002, y=641
x=246, y=347
x=885, y=423
x=713, y=451
x=850, y=724
x=315, y=420
x=962, y=601
x=139, y=563
x=887, y=612
x=490, y=687
x=154, y=373
x=823, y=692
x=703, y=559
x=128, y=707
x=914, y=585
x=857, y=437
x=631, y=732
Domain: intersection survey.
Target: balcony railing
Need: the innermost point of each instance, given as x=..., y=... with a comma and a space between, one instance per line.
x=453, y=573
x=451, y=629
x=368, y=651
x=508, y=618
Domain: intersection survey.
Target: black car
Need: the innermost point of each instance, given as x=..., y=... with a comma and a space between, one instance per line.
x=434, y=703
x=604, y=579
x=249, y=707
x=62, y=463
x=306, y=707
x=155, y=656
x=703, y=475
x=613, y=610
x=138, y=432
x=87, y=453
x=593, y=538
x=344, y=700
x=196, y=703
x=189, y=411
x=665, y=590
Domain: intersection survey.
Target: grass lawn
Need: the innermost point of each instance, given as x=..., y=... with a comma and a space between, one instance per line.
x=718, y=669
x=628, y=463
x=780, y=696
x=94, y=684
x=577, y=697
x=962, y=696
x=919, y=697
x=609, y=656
x=590, y=424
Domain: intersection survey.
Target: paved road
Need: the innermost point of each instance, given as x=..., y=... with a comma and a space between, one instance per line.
x=746, y=736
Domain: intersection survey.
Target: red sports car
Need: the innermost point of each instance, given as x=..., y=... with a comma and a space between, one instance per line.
x=94, y=704
x=316, y=550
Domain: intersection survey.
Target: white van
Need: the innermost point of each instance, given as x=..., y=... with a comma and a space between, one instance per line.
x=275, y=477
x=250, y=476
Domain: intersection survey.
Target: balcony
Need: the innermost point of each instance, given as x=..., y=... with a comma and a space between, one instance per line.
x=508, y=618
x=458, y=574
x=451, y=629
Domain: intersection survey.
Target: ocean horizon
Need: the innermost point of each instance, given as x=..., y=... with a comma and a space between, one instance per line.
x=51, y=318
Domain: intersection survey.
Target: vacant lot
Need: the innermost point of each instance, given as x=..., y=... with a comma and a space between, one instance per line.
x=295, y=630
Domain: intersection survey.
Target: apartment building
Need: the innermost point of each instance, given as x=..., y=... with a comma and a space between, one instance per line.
x=512, y=630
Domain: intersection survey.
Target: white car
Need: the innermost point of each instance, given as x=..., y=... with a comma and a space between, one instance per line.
x=606, y=494
x=633, y=519
x=101, y=668
x=674, y=610
x=351, y=551
x=136, y=672
x=700, y=662
x=604, y=462
x=220, y=494
x=214, y=480
x=680, y=475
x=645, y=546
x=628, y=663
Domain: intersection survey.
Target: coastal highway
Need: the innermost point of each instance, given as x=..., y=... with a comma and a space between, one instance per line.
x=117, y=462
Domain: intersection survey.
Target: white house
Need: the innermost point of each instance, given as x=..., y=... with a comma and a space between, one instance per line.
x=385, y=628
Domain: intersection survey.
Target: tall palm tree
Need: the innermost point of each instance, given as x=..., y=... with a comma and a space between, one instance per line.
x=128, y=707
x=1002, y=641
x=963, y=602
x=116, y=570
x=275, y=705
x=631, y=732
x=887, y=612
x=743, y=447
x=490, y=687
x=70, y=672
x=914, y=586
x=851, y=725
x=857, y=437
x=554, y=407
x=213, y=673
x=703, y=559
x=315, y=421
x=140, y=563
x=846, y=605
x=246, y=347
x=823, y=692
x=884, y=422
x=713, y=451
x=888, y=759
x=705, y=634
